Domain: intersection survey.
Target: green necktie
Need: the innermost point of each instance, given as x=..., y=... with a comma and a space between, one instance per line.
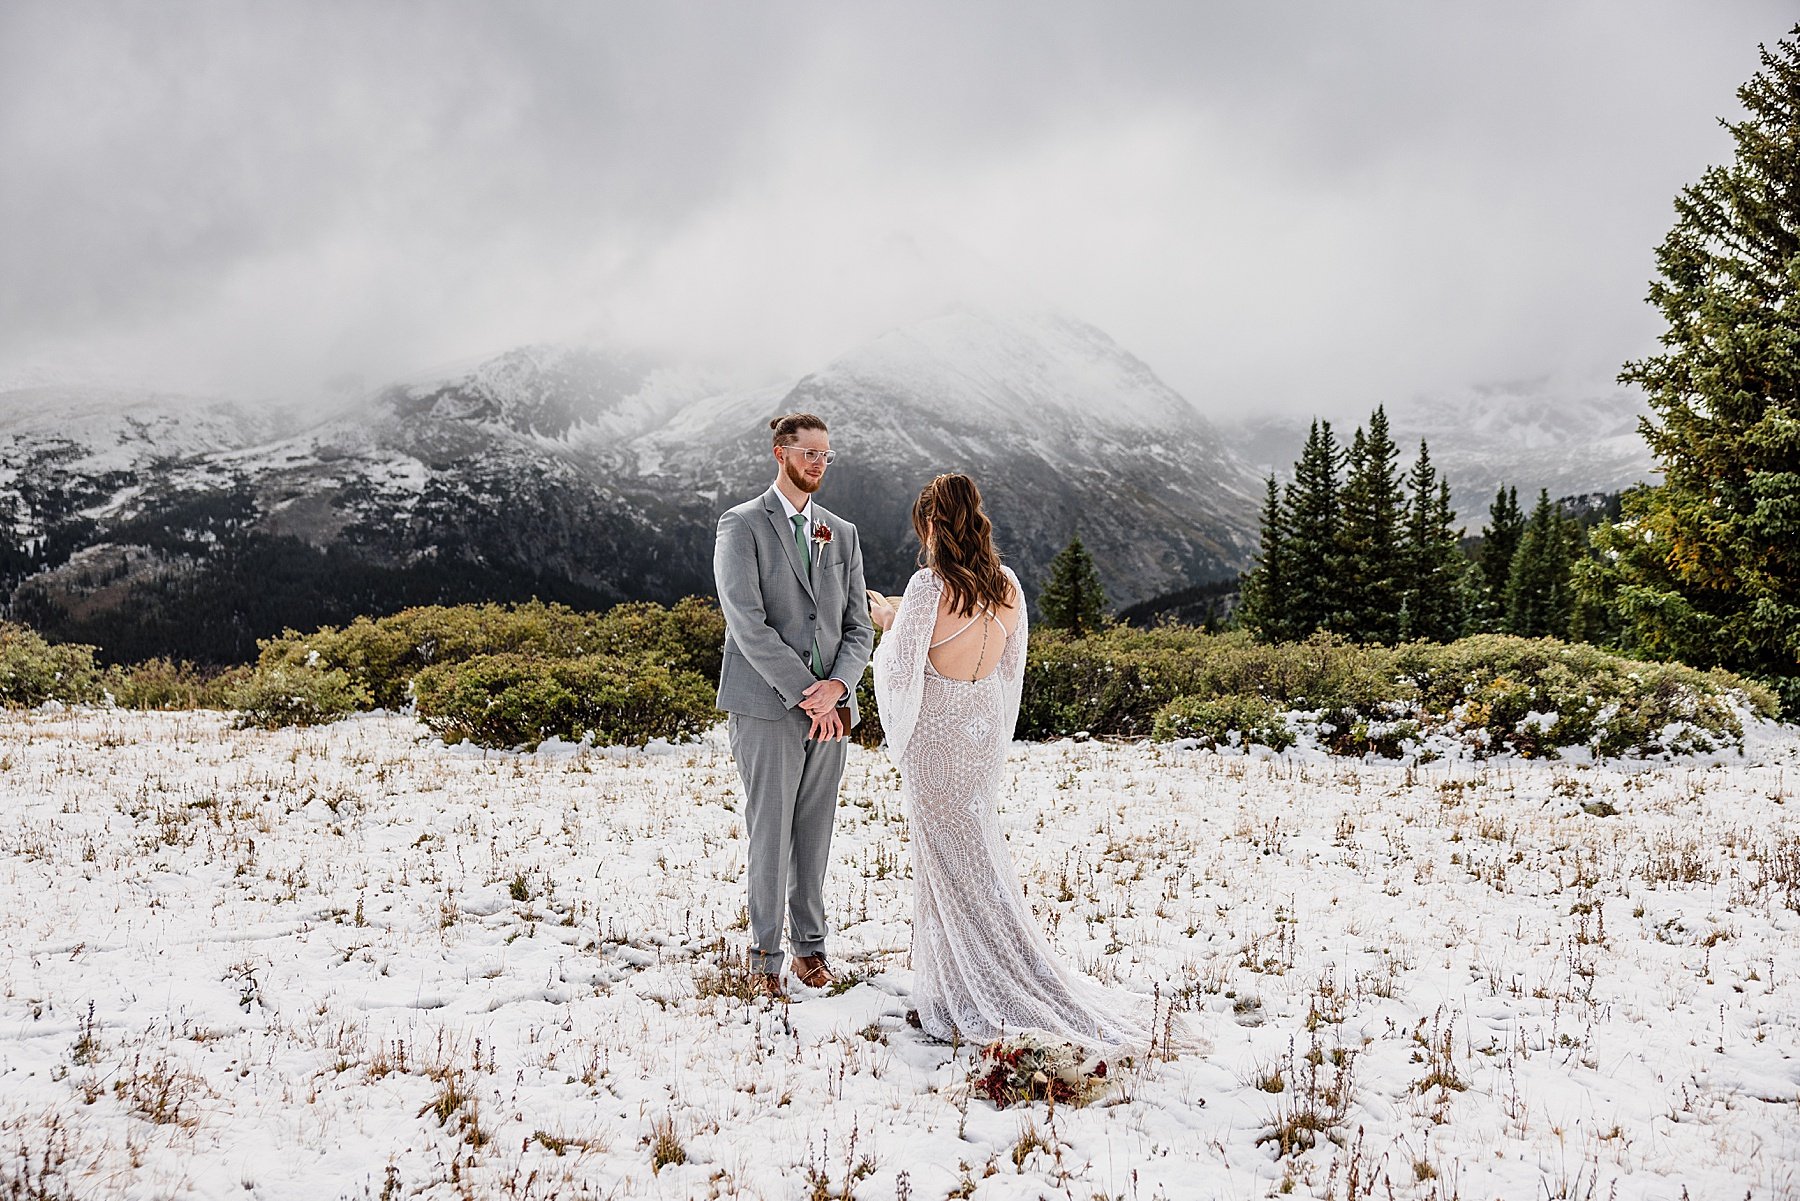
x=800, y=544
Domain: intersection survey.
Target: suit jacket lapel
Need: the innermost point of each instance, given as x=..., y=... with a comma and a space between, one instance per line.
x=784, y=527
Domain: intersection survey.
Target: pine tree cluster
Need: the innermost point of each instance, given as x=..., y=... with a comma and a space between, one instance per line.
x=1353, y=547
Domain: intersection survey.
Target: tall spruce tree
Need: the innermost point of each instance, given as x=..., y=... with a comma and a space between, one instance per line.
x=1432, y=584
x=1370, y=558
x=1499, y=542
x=1310, y=526
x=1538, y=596
x=1708, y=564
x=1263, y=609
x=1073, y=599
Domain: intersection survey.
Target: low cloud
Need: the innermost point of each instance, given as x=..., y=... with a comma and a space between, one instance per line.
x=1315, y=208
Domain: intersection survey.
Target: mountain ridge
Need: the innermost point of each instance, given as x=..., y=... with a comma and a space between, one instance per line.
x=588, y=476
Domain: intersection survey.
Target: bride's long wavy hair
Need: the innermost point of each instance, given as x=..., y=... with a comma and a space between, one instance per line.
x=956, y=540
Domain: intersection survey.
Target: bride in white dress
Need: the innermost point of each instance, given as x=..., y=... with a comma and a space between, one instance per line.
x=948, y=675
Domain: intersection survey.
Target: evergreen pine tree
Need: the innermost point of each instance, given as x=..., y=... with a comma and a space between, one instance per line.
x=1499, y=542
x=1310, y=526
x=1073, y=599
x=1370, y=557
x=1538, y=597
x=1263, y=609
x=1708, y=566
x=1432, y=584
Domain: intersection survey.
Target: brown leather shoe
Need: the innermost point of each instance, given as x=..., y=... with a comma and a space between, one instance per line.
x=814, y=971
x=768, y=984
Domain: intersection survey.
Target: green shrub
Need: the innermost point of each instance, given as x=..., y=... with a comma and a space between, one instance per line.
x=687, y=636
x=383, y=654
x=1115, y=682
x=168, y=684
x=1493, y=693
x=1108, y=683
x=519, y=700
x=295, y=695
x=1232, y=720
x=33, y=671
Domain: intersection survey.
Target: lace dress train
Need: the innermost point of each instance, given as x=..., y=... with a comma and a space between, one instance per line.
x=981, y=964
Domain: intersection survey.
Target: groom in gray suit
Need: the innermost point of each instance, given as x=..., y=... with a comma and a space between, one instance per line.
x=797, y=638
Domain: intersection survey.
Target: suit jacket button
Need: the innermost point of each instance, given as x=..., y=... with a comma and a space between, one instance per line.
x=812, y=617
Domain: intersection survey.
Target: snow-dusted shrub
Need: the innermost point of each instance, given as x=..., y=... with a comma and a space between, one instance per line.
x=1233, y=720
x=1494, y=693
x=517, y=700
x=1532, y=696
x=295, y=695
x=1391, y=734
x=33, y=671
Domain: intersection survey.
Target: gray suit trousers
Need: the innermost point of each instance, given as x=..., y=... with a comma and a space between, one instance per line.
x=791, y=786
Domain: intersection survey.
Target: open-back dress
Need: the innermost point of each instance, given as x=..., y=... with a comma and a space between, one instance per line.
x=982, y=966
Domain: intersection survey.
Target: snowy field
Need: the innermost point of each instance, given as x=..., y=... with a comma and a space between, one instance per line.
x=349, y=962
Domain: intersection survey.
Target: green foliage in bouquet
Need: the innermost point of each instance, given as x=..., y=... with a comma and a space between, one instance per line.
x=34, y=671
x=1027, y=1068
x=519, y=700
x=868, y=731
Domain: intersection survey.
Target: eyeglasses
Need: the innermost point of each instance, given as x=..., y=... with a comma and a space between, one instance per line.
x=827, y=457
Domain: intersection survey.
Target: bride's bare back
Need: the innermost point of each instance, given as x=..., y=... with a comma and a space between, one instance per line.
x=967, y=646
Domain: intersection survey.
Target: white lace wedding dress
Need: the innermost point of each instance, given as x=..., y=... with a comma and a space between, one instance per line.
x=982, y=966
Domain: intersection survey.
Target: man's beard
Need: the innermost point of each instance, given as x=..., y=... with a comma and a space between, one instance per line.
x=808, y=486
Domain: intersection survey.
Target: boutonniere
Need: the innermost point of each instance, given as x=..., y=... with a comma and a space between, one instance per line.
x=821, y=534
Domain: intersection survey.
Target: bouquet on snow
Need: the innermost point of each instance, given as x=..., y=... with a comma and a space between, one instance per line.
x=1029, y=1067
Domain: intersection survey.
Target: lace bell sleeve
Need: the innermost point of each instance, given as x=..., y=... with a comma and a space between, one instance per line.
x=900, y=661
x=1012, y=666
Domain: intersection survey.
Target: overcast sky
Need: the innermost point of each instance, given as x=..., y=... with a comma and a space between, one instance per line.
x=1291, y=205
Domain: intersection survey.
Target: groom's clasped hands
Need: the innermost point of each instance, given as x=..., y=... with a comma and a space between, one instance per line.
x=824, y=702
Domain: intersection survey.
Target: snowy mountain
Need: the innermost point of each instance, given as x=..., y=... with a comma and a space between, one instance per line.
x=1066, y=433
x=70, y=439
x=576, y=474
x=1569, y=440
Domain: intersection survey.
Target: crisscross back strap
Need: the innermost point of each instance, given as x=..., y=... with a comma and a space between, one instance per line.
x=969, y=625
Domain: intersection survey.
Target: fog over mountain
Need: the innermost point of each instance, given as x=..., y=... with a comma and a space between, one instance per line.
x=591, y=476
x=314, y=310
x=1567, y=437
x=1286, y=209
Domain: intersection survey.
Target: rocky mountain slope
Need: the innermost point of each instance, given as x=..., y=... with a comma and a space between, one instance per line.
x=578, y=475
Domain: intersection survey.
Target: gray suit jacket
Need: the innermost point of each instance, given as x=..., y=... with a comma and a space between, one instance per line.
x=773, y=612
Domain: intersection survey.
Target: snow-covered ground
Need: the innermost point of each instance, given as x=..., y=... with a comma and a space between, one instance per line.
x=349, y=962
